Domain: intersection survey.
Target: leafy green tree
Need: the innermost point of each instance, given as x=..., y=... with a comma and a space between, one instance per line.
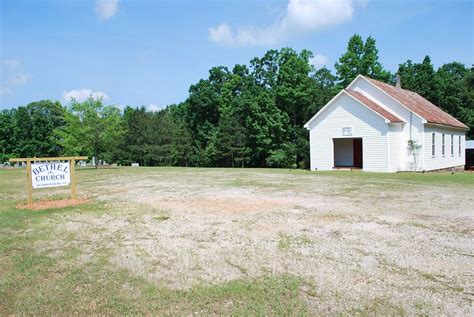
x=182, y=146
x=92, y=129
x=202, y=111
x=294, y=95
x=22, y=135
x=420, y=77
x=250, y=116
x=452, y=91
x=267, y=126
x=294, y=86
x=232, y=141
x=265, y=69
x=136, y=123
x=467, y=112
x=370, y=65
x=325, y=88
x=449, y=87
x=283, y=156
x=45, y=117
x=7, y=128
x=159, y=139
x=360, y=58
x=350, y=63
x=33, y=128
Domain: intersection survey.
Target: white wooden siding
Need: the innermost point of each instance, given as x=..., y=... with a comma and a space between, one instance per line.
x=439, y=161
x=395, y=131
x=385, y=145
x=414, y=126
x=347, y=112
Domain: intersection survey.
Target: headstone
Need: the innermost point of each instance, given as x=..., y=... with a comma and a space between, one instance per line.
x=135, y=164
x=114, y=165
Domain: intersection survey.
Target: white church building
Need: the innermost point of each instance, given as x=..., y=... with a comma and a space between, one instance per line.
x=370, y=124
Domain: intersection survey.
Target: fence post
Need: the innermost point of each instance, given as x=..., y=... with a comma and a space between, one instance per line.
x=29, y=181
x=72, y=164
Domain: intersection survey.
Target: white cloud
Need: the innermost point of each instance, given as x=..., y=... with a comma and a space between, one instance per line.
x=106, y=9
x=13, y=63
x=245, y=36
x=12, y=75
x=81, y=95
x=220, y=34
x=301, y=16
x=5, y=90
x=153, y=108
x=319, y=60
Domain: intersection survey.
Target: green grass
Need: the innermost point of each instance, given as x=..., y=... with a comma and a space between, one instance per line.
x=39, y=284
x=35, y=282
x=287, y=242
x=161, y=218
x=434, y=178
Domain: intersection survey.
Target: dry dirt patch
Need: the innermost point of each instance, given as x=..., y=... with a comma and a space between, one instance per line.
x=354, y=244
x=53, y=204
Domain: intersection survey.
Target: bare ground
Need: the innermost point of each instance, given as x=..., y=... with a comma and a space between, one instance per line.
x=356, y=243
x=53, y=203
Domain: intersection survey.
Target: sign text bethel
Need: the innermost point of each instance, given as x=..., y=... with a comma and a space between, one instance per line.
x=50, y=174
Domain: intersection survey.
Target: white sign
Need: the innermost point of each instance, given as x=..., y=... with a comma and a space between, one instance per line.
x=50, y=174
x=347, y=131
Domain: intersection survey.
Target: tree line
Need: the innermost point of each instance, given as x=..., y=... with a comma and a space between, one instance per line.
x=248, y=116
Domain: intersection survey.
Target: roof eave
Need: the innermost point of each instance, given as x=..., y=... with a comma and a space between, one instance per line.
x=465, y=128
x=308, y=124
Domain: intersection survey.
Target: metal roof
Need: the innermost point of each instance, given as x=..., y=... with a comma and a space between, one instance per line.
x=419, y=105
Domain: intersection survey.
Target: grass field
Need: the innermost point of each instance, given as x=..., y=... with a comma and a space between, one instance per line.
x=240, y=242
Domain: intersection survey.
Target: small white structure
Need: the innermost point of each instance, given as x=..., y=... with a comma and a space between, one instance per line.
x=369, y=125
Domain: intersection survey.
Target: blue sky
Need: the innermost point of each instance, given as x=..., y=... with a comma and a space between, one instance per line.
x=144, y=52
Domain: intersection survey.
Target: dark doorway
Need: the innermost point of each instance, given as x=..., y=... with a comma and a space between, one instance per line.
x=470, y=159
x=348, y=153
x=357, y=153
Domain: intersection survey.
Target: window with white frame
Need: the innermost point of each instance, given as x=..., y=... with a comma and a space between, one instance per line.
x=433, y=144
x=459, y=145
x=442, y=145
x=452, y=145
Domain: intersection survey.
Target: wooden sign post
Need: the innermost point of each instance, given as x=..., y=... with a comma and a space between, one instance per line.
x=53, y=173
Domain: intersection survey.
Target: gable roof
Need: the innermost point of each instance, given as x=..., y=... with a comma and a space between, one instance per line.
x=360, y=98
x=376, y=107
x=417, y=104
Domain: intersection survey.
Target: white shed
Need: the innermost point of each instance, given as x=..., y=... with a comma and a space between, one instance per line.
x=369, y=125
